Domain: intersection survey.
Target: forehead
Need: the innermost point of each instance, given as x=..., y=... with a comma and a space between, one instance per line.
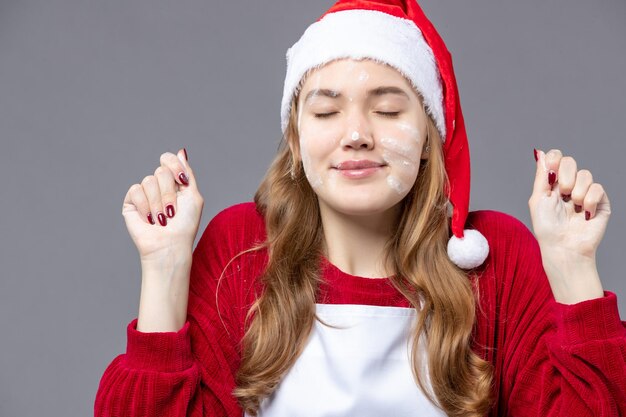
x=348, y=73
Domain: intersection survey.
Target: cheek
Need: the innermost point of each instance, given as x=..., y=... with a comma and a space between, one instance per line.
x=402, y=155
x=315, y=147
x=409, y=129
x=313, y=176
x=316, y=140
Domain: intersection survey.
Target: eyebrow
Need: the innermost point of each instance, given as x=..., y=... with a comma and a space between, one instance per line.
x=376, y=92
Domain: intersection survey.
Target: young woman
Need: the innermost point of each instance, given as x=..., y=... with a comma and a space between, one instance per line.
x=357, y=283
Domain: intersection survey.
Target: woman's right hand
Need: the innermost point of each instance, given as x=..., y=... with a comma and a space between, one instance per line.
x=158, y=197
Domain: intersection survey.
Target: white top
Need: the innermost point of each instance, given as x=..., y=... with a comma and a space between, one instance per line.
x=362, y=369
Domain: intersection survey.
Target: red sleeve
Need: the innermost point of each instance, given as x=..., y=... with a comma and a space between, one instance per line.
x=192, y=372
x=554, y=359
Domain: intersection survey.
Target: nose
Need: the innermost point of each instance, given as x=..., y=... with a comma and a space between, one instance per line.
x=358, y=135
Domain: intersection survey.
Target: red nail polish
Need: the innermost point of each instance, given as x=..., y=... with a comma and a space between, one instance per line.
x=162, y=219
x=170, y=210
x=150, y=219
x=536, y=157
x=567, y=197
x=183, y=178
x=185, y=151
x=587, y=215
x=551, y=177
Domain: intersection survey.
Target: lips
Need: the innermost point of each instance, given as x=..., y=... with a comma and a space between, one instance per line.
x=358, y=164
x=359, y=169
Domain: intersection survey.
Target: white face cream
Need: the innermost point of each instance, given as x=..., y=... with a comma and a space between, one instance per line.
x=409, y=128
x=404, y=156
x=396, y=184
x=313, y=177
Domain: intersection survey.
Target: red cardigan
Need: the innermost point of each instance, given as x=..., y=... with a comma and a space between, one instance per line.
x=550, y=359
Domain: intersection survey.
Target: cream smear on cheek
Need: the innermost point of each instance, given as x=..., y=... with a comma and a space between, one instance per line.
x=314, y=178
x=403, y=157
x=409, y=128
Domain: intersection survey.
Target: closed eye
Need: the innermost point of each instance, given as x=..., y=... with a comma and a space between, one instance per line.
x=324, y=115
x=388, y=114
x=382, y=113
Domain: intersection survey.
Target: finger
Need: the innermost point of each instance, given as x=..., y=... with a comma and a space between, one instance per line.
x=595, y=195
x=182, y=157
x=541, y=186
x=152, y=191
x=604, y=206
x=174, y=164
x=167, y=185
x=137, y=198
x=567, y=176
x=553, y=160
x=584, y=179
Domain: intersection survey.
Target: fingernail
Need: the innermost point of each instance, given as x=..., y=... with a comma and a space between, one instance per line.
x=587, y=215
x=551, y=177
x=567, y=197
x=162, y=219
x=150, y=219
x=183, y=178
x=536, y=157
x=170, y=210
x=577, y=208
x=185, y=151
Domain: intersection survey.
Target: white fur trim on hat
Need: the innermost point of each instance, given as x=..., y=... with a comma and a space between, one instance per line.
x=469, y=251
x=370, y=34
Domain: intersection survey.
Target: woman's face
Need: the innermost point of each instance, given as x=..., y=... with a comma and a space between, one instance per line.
x=362, y=128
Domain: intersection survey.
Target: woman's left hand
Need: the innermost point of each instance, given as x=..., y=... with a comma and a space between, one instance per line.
x=569, y=214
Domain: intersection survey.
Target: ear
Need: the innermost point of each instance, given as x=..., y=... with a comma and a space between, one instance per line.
x=425, y=150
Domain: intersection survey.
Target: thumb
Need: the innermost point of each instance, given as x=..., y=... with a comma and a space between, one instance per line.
x=182, y=156
x=541, y=185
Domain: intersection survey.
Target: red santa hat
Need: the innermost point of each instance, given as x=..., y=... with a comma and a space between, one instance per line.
x=398, y=33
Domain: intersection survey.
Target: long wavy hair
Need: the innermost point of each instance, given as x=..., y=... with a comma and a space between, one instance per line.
x=282, y=317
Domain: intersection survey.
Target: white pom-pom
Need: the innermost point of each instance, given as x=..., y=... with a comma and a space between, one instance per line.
x=469, y=251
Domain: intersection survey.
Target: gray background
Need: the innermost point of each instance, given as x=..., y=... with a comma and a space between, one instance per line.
x=92, y=92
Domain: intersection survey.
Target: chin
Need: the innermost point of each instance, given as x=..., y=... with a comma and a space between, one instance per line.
x=361, y=205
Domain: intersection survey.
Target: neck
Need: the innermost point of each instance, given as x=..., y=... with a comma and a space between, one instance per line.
x=356, y=244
